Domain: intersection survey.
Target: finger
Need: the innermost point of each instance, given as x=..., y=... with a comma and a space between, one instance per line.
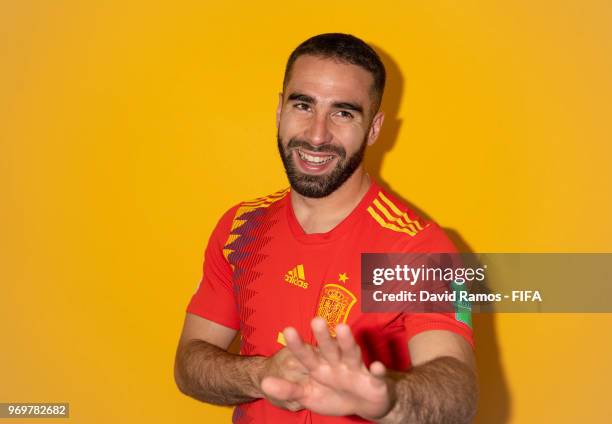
x=349, y=349
x=378, y=372
x=281, y=389
x=377, y=369
x=328, y=347
x=302, y=351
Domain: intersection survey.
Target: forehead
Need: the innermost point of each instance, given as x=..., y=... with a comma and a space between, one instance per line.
x=327, y=78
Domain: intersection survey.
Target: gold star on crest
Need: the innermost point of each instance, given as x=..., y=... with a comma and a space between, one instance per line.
x=342, y=277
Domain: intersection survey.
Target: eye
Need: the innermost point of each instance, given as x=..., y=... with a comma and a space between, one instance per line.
x=302, y=106
x=345, y=114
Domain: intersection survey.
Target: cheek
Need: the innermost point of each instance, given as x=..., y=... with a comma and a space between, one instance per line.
x=286, y=123
x=351, y=137
x=291, y=126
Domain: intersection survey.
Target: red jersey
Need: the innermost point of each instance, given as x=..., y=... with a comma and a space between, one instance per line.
x=263, y=273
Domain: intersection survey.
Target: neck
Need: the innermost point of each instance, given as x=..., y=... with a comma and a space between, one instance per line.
x=323, y=214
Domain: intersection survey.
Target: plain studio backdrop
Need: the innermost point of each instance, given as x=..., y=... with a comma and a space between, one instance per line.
x=128, y=128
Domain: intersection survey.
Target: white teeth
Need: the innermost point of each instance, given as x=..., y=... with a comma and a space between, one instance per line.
x=317, y=160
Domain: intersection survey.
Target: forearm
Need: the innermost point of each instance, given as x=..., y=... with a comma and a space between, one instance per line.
x=210, y=374
x=444, y=390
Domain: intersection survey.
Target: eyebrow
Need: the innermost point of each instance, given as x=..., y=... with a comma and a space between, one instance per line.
x=350, y=106
x=302, y=98
x=338, y=105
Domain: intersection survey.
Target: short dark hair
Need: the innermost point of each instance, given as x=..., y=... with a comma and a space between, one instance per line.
x=345, y=48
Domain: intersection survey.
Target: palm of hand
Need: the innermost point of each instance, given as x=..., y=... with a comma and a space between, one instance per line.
x=337, y=382
x=342, y=391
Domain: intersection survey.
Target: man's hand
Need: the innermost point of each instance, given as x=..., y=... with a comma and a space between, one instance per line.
x=283, y=365
x=338, y=382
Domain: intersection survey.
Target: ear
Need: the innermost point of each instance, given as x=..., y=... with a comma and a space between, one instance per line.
x=375, y=127
x=278, y=109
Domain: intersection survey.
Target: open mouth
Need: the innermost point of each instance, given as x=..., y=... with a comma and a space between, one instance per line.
x=314, y=162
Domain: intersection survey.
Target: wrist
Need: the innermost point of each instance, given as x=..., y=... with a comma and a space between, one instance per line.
x=256, y=371
x=392, y=413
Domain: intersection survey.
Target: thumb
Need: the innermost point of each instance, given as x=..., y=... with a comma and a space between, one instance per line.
x=377, y=369
x=281, y=389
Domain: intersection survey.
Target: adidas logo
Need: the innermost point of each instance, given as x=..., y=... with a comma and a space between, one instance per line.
x=296, y=277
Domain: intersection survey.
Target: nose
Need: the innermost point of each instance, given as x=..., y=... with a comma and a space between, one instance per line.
x=318, y=131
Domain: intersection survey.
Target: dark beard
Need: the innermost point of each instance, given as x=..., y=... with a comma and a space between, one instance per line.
x=317, y=186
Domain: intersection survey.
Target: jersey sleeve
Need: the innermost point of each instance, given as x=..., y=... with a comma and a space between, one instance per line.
x=434, y=240
x=214, y=299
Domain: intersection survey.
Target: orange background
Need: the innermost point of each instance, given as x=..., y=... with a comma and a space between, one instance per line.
x=127, y=128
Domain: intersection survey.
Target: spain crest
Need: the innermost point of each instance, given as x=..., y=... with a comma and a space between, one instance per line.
x=335, y=304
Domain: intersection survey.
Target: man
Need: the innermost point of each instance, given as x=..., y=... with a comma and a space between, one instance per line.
x=284, y=269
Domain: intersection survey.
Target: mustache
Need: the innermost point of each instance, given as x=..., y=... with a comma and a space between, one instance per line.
x=296, y=143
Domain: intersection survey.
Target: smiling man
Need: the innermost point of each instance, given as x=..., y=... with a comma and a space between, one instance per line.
x=284, y=270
